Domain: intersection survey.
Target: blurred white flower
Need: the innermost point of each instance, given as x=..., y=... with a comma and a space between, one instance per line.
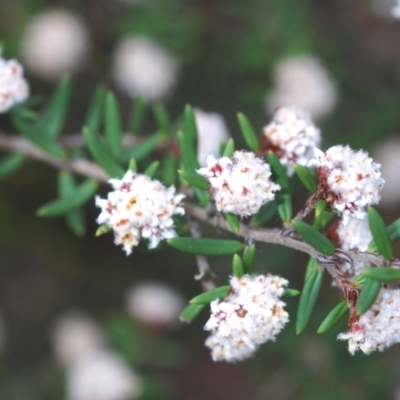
x=102, y=375
x=383, y=8
x=395, y=11
x=142, y=67
x=388, y=154
x=212, y=131
x=154, y=304
x=13, y=87
x=305, y=83
x=75, y=335
x=55, y=42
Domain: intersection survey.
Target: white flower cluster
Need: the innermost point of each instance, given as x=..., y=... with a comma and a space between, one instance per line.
x=141, y=67
x=305, y=83
x=241, y=184
x=13, y=87
x=249, y=316
x=55, y=42
x=379, y=327
x=292, y=136
x=139, y=208
x=348, y=180
x=211, y=131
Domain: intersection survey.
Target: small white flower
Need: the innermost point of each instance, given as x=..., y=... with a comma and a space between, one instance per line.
x=154, y=304
x=303, y=82
x=348, y=180
x=379, y=327
x=13, y=87
x=292, y=136
x=141, y=67
x=102, y=376
x=55, y=42
x=249, y=316
x=139, y=208
x=395, y=11
x=212, y=131
x=74, y=336
x=241, y=184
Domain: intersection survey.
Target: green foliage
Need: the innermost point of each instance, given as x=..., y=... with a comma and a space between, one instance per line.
x=194, y=179
x=191, y=312
x=213, y=294
x=229, y=149
x=233, y=221
x=10, y=164
x=95, y=112
x=249, y=258
x=206, y=247
x=265, y=214
x=162, y=118
x=307, y=177
x=334, y=316
x=291, y=292
x=238, y=268
x=151, y=170
x=380, y=234
x=144, y=148
x=112, y=124
x=368, y=295
x=382, y=274
x=189, y=128
x=248, y=133
x=137, y=116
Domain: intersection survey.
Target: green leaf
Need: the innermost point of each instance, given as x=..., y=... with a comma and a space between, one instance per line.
x=320, y=207
x=311, y=266
x=214, y=294
x=101, y=155
x=368, y=295
x=112, y=125
x=74, y=218
x=249, y=258
x=143, y=149
x=102, y=229
x=249, y=135
x=162, y=119
x=152, y=169
x=237, y=266
x=206, y=247
x=229, y=149
x=10, y=164
x=189, y=127
x=233, y=221
x=188, y=154
x=265, y=214
x=322, y=220
x=133, y=165
x=307, y=177
x=394, y=230
x=334, y=316
x=168, y=170
x=282, y=197
x=80, y=195
x=314, y=238
x=137, y=115
x=95, y=113
x=382, y=274
x=194, y=179
x=191, y=312
x=52, y=119
x=308, y=298
x=380, y=234
x=290, y=292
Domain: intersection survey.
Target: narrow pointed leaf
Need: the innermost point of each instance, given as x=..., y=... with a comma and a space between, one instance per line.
x=282, y=197
x=95, y=113
x=162, y=118
x=152, y=169
x=229, y=149
x=191, y=312
x=101, y=155
x=137, y=115
x=10, y=164
x=265, y=214
x=143, y=149
x=214, y=294
x=249, y=135
x=311, y=266
x=368, y=295
x=188, y=154
x=394, y=234
x=382, y=274
x=249, y=258
x=102, y=229
x=206, y=247
x=307, y=177
x=380, y=234
x=189, y=127
x=320, y=207
x=133, y=165
x=314, y=238
x=291, y=292
x=334, y=316
x=323, y=220
x=237, y=266
x=308, y=298
x=168, y=170
x=112, y=125
x=194, y=179
x=80, y=195
x=233, y=221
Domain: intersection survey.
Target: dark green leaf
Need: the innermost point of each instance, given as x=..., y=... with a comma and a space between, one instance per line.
x=368, y=295
x=382, y=274
x=394, y=230
x=168, y=170
x=233, y=221
x=206, y=247
x=249, y=258
x=194, y=179
x=80, y=195
x=323, y=220
x=334, y=316
x=237, y=266
x=112, y=125
x=229, y=149
x=282, y=196
x=314, y=238
x=137, y=115
x=214, y=294
x=95, y=113
x=143, y=149
x=380, y=234
x=10, y=164
x=290, y=292
x=189, y=127
x=308, y=298
x=162, y=118
x=152, y=169
x=307, y=177
x=265, y=214
x=188, y=154
x=101, y=155
x=190, y=313
x=249, y=135
x=311, y=266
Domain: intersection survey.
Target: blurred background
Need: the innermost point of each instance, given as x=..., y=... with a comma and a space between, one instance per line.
x=61, y=295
